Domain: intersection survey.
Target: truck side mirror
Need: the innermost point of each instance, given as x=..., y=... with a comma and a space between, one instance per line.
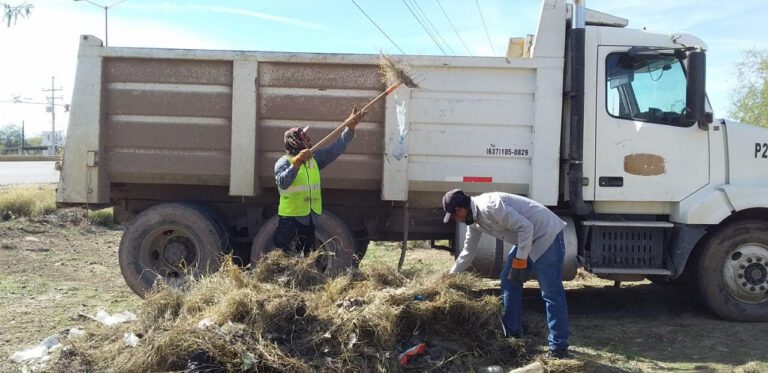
x=695, y=96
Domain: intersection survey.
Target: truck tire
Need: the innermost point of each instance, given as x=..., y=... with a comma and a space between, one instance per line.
x=332, y=236
x=733, y=271
x=170, y=241
x=221, y=225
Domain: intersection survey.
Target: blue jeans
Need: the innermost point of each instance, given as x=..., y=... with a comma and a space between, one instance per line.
x=549, y=272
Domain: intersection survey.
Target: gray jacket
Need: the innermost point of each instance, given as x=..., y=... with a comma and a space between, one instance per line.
x=513, y=219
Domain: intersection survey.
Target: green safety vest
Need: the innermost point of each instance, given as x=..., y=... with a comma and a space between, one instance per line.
x=304, y=192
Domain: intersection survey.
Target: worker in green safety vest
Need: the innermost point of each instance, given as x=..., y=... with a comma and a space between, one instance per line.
x=297, y=175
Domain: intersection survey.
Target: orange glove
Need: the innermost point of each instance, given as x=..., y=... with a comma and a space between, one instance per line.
x=519, y=272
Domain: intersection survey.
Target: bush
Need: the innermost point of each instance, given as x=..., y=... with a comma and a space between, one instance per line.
x=27, y=201
x=102, y=217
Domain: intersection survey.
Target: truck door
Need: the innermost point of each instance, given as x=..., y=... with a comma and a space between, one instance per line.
x=644, y=151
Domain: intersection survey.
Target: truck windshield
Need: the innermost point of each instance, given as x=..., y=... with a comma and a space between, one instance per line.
x=645, y=88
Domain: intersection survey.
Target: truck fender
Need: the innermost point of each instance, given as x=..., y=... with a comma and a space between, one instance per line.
x=709, y=206
x=713, y=206
x=706, y=210
x=746, y=197
x=684, y=239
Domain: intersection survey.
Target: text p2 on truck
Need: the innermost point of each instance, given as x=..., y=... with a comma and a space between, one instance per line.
x=608, y=126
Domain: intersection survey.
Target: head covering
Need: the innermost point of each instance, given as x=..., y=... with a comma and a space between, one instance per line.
x=451, y=200
x=293, y=141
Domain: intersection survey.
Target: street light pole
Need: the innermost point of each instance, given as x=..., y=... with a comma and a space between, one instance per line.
x=106, y=17
x=106, y=26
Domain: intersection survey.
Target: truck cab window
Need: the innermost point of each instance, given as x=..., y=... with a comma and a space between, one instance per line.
x=645, y=88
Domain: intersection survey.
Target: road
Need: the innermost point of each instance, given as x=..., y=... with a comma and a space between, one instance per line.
x=28, y=173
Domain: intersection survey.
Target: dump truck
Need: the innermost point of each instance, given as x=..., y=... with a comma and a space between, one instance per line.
x=609, y=127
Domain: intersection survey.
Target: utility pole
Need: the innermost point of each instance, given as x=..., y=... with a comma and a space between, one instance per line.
x=52, y=108
x=21, y=147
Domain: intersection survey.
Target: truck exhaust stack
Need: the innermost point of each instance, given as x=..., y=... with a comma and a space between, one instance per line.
x=576, y=69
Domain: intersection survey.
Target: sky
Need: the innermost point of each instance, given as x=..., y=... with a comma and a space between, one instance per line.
x=44, y=45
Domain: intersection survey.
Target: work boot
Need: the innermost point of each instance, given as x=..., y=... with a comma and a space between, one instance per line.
x=558, y=354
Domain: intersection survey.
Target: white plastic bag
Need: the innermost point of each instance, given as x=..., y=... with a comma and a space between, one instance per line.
x=38, y=352
x=204, y=323
x=130, y=339
x=75, y=333
x=112, y=320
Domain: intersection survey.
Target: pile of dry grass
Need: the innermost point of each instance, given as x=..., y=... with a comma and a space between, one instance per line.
x=284, y=315
x=104, y=217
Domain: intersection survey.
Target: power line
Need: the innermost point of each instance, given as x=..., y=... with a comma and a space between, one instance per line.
x=426, y=17
x=425, y=28
x=34, y=102
x=429, y=33
x=485, y=27
x=454, y=28
x=377, y=26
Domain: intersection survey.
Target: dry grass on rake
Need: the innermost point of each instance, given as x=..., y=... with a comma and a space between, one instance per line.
x=393, y=72
x=285, y=315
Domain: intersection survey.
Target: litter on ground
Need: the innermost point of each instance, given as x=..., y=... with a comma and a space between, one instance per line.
x=112, y=320
x=130, y=339
x=38, y=352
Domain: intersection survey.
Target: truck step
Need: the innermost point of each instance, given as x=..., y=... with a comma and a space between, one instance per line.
x=648, y=224
x=632, y=271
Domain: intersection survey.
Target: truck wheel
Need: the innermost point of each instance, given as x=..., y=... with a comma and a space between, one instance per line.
x=221, y=225
x=169, y=242
x=733, y=271
x=331, y=236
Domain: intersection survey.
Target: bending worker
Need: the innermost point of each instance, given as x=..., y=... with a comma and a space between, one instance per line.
x=537, y=233
x=297, y=175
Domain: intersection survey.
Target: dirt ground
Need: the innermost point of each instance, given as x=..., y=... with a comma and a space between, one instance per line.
x=53, y=267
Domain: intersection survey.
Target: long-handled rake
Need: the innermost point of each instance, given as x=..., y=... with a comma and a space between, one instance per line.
x=393, y=76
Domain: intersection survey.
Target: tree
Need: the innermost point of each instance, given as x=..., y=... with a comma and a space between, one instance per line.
x=11, y=13
x=34, y=141
x=750, y=101
x=10, y=136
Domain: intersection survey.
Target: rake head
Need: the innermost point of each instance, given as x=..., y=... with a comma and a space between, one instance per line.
x=392, y=73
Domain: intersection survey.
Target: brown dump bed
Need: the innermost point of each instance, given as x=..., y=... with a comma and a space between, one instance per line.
x=169, y=120
x=217, y=118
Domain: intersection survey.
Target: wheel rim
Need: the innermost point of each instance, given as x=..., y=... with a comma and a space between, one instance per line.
x=328, y=248
x=170, y=252
x=745, y=273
